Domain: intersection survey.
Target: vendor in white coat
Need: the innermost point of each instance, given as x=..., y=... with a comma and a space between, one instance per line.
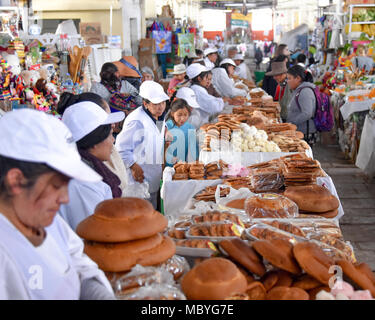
x=211, y=56
x=222, y=81
x=209, y=105
x=92, y=130
x=242, y=69
x=40, y=256
x=141, y=141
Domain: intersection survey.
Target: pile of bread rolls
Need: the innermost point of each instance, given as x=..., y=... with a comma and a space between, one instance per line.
x=124, y=232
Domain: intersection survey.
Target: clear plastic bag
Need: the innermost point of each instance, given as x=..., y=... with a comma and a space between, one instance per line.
x=215, y=231
x=141, y=276
x=156, y=292
x=137, y=190
x=270, y=205
x=262, y=231
x=177, y=266
x=266, y=179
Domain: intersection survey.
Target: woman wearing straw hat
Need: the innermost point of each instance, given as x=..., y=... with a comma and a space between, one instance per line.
x=222, y=82
x=41, y=258
x=242, y=69
x=179, y=73
x=141, y=141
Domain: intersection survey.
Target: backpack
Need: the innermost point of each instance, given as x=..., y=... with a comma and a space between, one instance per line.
x=324, y=118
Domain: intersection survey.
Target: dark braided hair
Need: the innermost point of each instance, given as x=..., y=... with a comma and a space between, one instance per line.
x=298, y=71
x=108, y=77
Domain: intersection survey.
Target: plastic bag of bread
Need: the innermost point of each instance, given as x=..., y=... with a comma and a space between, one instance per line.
x=270, y=205
x=215, y=231
x=177, y=266
x=234, y=201
x=266, y=179
x=261, y=231
x=216, y=216
x=155, y=292
x=343, y=251
x=197, y=244
x=139, y=277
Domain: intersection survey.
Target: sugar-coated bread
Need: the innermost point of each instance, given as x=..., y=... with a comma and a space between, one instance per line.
x=118, y=257
x=312, y=198
x=122, y=219
x=213, y=279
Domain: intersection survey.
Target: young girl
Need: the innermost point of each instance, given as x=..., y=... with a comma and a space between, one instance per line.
x=183, y=145
x=179, y=77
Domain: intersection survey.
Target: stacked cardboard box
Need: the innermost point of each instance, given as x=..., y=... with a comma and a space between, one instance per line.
x=147, y=56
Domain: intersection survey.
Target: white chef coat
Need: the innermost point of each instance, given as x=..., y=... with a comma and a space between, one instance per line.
x=243, y=72
x=141, y=141
x=54, y=270
x=83, y=198
x=208, y=104
x=209, y=64
x=225, y=85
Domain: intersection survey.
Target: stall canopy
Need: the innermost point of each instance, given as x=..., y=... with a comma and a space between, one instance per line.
x=296, y=38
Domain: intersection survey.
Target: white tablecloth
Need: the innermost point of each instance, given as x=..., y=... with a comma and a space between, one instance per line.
x=177, y=195
x=366, y=153
x=351, y=107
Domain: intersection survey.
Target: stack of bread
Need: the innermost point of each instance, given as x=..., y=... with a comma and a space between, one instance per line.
x=257, y=93
x=266, y=177
x=237, y=182
x=208, y=194
x=289, y=143
x=124, y=232
x=270, y=270
x=198, y=171
x=314, y=199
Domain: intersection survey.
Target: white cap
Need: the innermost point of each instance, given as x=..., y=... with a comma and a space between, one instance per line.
x=209, y=51
x=34, y=136
x=84, y=117
x=195, y=69
x=188, y=95
x=153, y=92
x=227, y=60
x=238, y=56
x=179, y=69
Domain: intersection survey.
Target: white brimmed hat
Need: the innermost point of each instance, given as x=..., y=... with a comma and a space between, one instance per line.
x=209, y=51
x=84, y=117
x=195, y=69
x=179, y=69
x=229, y=61
x=34, y=136
x=153, y=92
x=188, y=95
x=238, y=56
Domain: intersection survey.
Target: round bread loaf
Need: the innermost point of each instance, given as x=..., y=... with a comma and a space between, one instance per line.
x=286, y=293
x=312, y=198
x=307, y=282
x=213, y=279
x=279, y=253
x=314, y=261
x=120, y=220
x=270, y=205
x=236, y=204
x=118, y=257
x=245, y=255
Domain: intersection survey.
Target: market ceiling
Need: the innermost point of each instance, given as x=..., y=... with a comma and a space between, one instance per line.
x=238, y=4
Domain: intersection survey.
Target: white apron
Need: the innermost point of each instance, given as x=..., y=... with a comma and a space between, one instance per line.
x=41, y=279
x=149, y=154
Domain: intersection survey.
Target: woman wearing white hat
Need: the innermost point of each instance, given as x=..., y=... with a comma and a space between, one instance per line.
x=92, y=130
x=242, y=69
x=222, y=82
x=209, y=105
x=179, y=73
x=40, y=256
x=211, y=56
x=141, y=141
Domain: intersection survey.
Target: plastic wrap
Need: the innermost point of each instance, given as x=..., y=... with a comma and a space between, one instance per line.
x=270, y=205
x=335, y=253
x=155, y=292
x=266, y=179
x=141, y=276
x=215, y=231
x=234, y=194
x=137, y=190
x=262, y=231
x=177, y=266
x=215, y=216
